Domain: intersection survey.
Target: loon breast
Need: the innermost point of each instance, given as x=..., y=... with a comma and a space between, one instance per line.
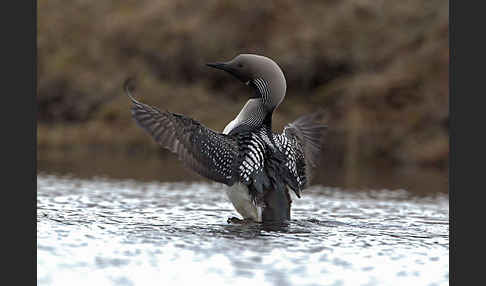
x=239, y=196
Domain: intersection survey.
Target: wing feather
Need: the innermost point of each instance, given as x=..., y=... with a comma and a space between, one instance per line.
x=307, y=135
x=209, y=153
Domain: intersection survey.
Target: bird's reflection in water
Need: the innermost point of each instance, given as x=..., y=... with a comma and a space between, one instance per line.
x=257, y=229
x=276, y=226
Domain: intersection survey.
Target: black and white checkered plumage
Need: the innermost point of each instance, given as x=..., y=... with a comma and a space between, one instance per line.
x=242, y=156
x=260, y=165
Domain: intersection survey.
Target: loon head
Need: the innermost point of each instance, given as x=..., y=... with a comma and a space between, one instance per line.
x=260, y=73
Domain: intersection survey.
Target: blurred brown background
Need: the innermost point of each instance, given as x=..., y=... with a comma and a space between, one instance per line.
x=379, y=68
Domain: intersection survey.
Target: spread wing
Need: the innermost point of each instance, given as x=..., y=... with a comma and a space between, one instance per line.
x=301, y=140
x=209, y=153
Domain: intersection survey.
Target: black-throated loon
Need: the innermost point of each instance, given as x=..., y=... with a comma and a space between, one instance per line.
x=258, y=166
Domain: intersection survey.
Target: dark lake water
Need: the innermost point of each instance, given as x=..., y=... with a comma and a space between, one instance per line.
x=124, y=232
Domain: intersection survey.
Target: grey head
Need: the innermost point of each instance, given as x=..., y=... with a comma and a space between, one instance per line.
x=260, y=73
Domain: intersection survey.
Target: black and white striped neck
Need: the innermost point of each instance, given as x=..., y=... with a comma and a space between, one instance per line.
x=263, y=90
x=259, y=109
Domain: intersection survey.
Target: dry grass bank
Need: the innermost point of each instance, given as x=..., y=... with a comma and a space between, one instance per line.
x=380, y=69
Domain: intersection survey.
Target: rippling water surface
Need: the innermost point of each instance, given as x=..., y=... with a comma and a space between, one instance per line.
x=123, y=232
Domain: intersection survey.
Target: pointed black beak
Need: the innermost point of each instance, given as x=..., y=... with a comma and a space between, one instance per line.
x=229, y=68
x=218, y=65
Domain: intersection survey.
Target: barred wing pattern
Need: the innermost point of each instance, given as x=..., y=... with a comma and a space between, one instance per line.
x=252, y=156
x=301, y=141
x=209, y=153
x=295, y=162
x=260, y=164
